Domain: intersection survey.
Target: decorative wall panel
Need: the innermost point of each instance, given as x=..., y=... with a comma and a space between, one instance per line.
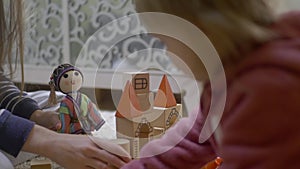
x=57, y=31
x=44, y=32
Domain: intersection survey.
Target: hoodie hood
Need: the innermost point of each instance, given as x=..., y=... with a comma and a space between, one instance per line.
x=282, y=52
x=288, y=25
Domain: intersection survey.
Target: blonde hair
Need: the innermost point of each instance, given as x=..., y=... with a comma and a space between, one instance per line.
x=233, y=26
x=11, y=34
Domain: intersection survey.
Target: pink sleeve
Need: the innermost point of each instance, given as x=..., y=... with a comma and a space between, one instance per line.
x=178, y=148
x=262, y=129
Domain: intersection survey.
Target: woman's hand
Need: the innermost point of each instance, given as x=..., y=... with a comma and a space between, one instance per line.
x=79, y=152
x=114, y=152
x=74, y=151
x=48, y=119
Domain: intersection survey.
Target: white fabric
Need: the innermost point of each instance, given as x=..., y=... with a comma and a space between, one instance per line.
x=41, y=97
x=108, y=130
x=4, y=162
x=1, y=111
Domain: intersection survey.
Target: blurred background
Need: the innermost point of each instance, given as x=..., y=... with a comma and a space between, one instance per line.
x=57, y=31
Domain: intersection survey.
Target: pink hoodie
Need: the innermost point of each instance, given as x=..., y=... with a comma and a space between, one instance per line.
x=260, y=126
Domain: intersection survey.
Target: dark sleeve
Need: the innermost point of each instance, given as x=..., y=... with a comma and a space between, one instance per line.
x=10, y=99
x=14, y=131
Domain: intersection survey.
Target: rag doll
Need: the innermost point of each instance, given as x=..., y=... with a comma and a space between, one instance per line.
x=78, y=114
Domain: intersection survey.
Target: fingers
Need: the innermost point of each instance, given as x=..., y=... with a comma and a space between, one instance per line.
x=126, y=159
x=100, y=157
x=110, y=147
x=96, y=164
x=115, y=160
x=49, y=120
x=111, y=167
x=58, y=126
x=108, y=158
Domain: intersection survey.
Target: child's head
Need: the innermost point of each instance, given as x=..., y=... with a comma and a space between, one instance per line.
x=67, y=78
x=233, y=26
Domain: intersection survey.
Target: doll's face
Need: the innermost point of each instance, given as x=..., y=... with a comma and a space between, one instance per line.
x=71, y=81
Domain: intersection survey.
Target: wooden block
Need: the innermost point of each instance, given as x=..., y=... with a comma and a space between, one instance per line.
x=144, y=128
x=139, y=127
x=146, y=101
x=134, y=145
x=164, y=96
x=123, y=142
x=167, y=117
x=107, y=145
x=40, y=164
x=129, y=105
x=172, y=115
x=213, y=164
x=143, y=141
x=158, y=131
x=139, y=80
x=125, y=127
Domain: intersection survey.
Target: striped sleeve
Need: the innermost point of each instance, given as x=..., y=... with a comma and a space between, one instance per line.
x=10, y=99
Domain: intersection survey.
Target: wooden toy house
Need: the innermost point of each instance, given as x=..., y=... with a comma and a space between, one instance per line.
x=139, y=117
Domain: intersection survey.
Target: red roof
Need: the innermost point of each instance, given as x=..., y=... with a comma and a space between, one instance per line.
x=129, y=105
x=165, y=97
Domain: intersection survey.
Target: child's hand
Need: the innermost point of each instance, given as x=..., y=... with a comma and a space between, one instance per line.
x=48, y=119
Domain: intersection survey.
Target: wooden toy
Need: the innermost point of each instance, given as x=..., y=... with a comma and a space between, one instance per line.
x=145, y=100
x=139, y=118
x=40, y=164
x=164, y=96
x=213, y=164
x=140, y=83
x=108, y=146
x=139, y=80
x=129, y=104
x=124, y=143
x=78, y=114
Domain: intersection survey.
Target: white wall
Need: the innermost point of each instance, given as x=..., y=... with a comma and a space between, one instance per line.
x=287, y=5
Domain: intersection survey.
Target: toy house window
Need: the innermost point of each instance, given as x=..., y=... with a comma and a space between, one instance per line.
x=144, y=129
x=173, y=117
x=140, y=83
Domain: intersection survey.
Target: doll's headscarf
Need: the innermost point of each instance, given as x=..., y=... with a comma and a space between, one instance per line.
x=59, y=72
x=55, y=79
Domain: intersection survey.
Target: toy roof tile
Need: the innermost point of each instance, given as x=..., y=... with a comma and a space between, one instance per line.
x=165, y=97
x=129, y=105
